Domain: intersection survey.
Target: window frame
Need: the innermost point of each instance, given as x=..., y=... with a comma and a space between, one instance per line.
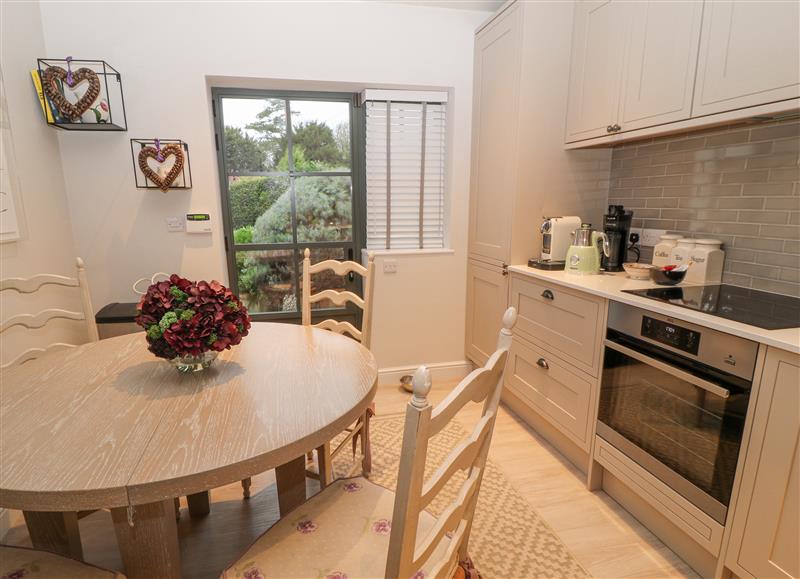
x=358, y=182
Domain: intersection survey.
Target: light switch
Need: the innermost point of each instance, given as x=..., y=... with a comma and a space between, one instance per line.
x=176, y=224
x=390, y=266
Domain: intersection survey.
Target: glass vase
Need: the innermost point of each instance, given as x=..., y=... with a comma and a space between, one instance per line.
x=186, y=364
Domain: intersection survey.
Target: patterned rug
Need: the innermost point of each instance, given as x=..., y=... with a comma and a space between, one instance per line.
x=509, y=540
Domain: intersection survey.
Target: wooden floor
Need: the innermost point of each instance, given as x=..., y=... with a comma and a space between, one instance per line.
x=604, y=537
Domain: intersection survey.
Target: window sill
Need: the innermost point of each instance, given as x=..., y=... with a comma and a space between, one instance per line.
x=394, y=252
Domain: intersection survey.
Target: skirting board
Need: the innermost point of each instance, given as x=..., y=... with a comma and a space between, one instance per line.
x=439, y=371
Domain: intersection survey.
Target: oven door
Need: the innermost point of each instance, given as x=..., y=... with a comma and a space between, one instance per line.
x=680, y=420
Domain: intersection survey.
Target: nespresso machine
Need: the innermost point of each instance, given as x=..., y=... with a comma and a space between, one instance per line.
x=617, y=227
x=557, y=234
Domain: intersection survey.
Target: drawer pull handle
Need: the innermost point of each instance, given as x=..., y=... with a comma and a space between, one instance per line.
x=542, y=363
x=548, y=295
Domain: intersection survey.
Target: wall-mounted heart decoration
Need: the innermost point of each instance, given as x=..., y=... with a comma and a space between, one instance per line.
x=73, y=111
x=161, y=155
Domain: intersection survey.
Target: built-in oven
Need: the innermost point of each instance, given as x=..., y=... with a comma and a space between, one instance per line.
x=674, y=399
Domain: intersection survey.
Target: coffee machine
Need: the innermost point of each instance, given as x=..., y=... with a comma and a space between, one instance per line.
x=617, y=227
x=557, y=234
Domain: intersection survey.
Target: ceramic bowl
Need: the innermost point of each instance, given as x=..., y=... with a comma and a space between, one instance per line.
x=637, y=270
x=666, y=277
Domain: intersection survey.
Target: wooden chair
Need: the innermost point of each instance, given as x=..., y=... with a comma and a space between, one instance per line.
x=18, y=562
x=356, y=528
x=360, y=429
x=40, y=319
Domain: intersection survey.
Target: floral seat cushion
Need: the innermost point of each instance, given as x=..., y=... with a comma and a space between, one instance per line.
x=23, y=563
x=340, y=533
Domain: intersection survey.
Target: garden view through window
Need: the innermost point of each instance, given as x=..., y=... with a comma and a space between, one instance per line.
x=288, y=185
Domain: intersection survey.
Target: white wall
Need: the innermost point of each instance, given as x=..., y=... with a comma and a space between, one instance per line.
x=165, y=54
x=46, y=245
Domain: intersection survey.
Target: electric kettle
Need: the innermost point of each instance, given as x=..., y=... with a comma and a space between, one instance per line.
x=583, y=256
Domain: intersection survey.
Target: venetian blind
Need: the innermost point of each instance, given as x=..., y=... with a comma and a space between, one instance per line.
x=405, y=163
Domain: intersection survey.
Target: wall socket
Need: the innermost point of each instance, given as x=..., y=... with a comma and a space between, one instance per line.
x=649, y=237
x=390, y=266
x=176, y=224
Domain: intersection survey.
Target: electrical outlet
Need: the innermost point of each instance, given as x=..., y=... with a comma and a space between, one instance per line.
x=390, y=266
x=651, y=237
x=175, y=224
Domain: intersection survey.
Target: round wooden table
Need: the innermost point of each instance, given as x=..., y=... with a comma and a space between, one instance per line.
x=107, y=425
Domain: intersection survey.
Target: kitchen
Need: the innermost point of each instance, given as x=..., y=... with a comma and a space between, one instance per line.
x=673, y=387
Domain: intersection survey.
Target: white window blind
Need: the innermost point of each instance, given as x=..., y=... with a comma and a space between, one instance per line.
x=405, y=171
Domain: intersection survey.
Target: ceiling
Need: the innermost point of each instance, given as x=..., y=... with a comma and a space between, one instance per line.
x=479, y=5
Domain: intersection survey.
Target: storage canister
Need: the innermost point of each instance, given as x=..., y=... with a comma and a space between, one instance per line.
x=679, y=255
x=706, y=260
x=663, y=248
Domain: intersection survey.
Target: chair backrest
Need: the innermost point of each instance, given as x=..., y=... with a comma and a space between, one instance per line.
x=40, y=319
x=406, y=554
x=340, y=297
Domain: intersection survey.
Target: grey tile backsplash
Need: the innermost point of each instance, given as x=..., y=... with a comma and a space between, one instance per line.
x=737, y=183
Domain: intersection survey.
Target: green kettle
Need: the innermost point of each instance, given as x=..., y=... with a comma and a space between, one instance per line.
x=583, y=256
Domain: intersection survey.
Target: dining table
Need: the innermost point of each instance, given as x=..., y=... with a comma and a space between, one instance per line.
x=107, y=425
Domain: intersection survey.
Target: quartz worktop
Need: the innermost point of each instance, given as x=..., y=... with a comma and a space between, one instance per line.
x=611, y=286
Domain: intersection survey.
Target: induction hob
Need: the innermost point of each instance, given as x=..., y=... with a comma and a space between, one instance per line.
x=748, y=306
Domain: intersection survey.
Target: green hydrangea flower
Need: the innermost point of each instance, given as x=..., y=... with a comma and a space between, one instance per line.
x=178, y=294
x=154, y=332
x=232, y=305
x=212, y=338
x=186, y=315
x=167, y=320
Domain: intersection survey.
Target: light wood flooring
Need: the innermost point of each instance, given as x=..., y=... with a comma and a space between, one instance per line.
x=606, y=540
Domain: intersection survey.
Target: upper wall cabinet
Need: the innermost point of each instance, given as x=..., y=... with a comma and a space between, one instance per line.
x=598, y=48
x=749, y=55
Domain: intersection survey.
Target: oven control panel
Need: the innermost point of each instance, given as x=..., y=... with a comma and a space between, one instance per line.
x=670, y=334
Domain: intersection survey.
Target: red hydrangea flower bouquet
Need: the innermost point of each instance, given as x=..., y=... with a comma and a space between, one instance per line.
x=189, y=322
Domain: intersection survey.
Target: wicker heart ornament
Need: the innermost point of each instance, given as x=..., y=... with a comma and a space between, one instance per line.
x=73, y=111
x=167, y=150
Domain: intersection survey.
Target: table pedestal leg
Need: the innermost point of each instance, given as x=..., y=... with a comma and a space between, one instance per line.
x=150, y=547
x=55, y=531
x=198, y=504
x=291, y=482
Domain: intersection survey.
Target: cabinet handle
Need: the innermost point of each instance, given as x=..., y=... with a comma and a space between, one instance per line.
x=548, y=295
x=615, y=127
x=542, y=363
x=610, y=129
x=505, y=269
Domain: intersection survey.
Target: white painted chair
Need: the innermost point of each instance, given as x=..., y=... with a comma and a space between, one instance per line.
x=40, y=319
x=356, y=528
x=33, y=563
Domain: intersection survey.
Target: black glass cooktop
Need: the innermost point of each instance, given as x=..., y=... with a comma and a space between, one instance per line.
x=748, y=306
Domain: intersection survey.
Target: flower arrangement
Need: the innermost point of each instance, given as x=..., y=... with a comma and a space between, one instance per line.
x=190, y=320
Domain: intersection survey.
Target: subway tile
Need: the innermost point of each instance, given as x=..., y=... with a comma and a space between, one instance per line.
x=755, y=270
x=643, y=213
x=633, y=203
x=727, y=138
x=720, y=190
x=780, y=231
x=684, y=168
x=634, y=182
x=648, y=192
x=700, y=179
x=774, y=160
x=767, y=189
x=652, y=149
x=745, y=255
x=623, y=153
x=665, y=180
x=724, y=165
x=749, y=229
x=777, y=287
x=782, y=175
x=662, y=202
x=786, y=146
x=645, y=171
x=740, y=202
x=790, y=275
x=746, y=177
x=621, y=193
x=759, y=243
x=659, y=224
x=779, y=259
x=775, y=132
x=680, y=191
x=667, y=158
x=616, y=164
x=676, y=214
x=794, y=218
x=736, y=279
x=702, y=202
x=687, y=144
x=716, y=215
x=777, y=217
x=791, y=246
x=788, y=203
x=748, y=150
x=637, y=162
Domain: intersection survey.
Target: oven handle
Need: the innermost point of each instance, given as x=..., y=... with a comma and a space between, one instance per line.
x=677, y=372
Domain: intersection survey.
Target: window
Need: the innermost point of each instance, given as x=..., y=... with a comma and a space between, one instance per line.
x=405, y=166
x=287, y=167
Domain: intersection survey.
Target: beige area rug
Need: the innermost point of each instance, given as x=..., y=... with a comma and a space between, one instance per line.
x=509, y=539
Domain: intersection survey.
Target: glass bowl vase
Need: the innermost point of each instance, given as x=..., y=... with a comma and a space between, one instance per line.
x=187, y=364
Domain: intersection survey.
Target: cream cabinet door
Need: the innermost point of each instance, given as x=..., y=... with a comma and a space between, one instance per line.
x=660, y=63
x=598, y=44
x=494, y=135
x=487, y=299
x=749, y=55
x=766, y=525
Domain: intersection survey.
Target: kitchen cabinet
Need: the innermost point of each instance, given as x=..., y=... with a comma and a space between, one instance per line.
x=749, y=55
x=766, y=521
x=487, y=296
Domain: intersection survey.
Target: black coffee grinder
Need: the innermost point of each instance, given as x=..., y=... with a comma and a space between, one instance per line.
x=616, y=226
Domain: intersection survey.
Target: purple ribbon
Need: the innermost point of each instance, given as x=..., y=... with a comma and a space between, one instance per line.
x=69, y=71
x=159, y=156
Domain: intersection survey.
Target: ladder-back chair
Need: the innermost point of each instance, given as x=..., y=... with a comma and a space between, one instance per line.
x=38, y=320
x=357, y=528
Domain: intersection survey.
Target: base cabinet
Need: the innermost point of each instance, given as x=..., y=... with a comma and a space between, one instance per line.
x=487, y=299
x=766, y=523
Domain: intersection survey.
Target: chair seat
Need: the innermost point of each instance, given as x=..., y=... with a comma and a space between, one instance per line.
x=21, y=562
x=340, y=533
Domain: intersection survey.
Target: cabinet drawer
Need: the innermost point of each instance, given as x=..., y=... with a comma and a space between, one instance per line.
x=560, y=395
x=566, y=323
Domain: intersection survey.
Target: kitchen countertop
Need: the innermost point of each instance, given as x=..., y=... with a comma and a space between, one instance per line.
x=610, y=286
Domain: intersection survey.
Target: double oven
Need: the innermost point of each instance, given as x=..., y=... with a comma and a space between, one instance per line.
x=674, y=398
